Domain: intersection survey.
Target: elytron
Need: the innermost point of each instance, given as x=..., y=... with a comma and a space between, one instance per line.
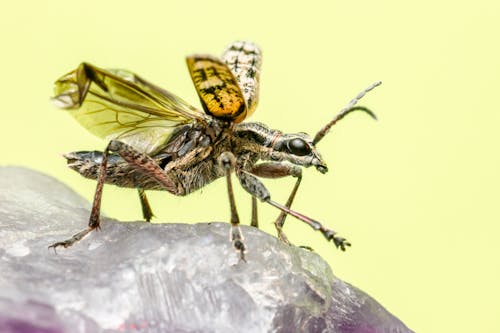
x=157, y=141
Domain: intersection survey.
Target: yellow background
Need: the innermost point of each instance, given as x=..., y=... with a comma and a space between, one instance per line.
x=416, y=192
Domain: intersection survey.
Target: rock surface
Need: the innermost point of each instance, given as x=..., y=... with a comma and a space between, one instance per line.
x=141, y=277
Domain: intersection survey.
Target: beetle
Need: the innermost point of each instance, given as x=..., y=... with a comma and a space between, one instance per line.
x=157, y=141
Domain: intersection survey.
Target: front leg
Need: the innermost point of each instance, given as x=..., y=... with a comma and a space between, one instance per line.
x=279, y=170
x=138, y=160
x=255, y=187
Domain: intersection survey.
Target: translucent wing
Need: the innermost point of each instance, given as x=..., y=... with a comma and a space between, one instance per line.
x=244, y=59
x=117, y=104
x=217, y=88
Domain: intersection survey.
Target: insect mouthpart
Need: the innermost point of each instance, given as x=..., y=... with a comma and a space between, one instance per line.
x=322, y=168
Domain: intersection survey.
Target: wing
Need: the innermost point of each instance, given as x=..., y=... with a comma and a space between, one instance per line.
x=117, y=104
x=244, y=59
x=217, y=88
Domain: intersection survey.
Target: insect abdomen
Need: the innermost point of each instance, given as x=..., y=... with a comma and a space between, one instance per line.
x=123, y=174
x=118, y=172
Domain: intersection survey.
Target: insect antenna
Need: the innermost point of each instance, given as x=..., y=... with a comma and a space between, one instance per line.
x=346, y=110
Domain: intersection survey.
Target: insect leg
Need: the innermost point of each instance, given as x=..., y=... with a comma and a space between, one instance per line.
x=255, y=218
x=140, y=161
x=94, y=222
x=227, y=161
x=145, y=164
x=279, y=170
x=147, y=213
x=255, y=187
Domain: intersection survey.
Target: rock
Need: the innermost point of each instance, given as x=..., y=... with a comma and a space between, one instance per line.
x=142, y=277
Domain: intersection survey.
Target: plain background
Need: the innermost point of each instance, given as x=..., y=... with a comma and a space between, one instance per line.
x=416, y=192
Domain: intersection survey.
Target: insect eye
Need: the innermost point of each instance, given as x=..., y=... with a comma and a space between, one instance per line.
x=298, y=147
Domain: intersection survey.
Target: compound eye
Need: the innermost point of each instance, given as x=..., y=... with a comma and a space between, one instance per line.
x=298, y=147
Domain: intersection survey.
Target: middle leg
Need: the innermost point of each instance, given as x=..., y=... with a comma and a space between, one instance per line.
x=228, y=161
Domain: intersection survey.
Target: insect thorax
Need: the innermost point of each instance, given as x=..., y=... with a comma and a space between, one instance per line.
x=257, y=141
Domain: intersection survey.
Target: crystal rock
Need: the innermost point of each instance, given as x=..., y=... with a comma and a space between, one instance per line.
x=142, y=277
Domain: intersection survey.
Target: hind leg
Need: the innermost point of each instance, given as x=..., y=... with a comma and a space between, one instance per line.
x=147, y=213
x=138, y=160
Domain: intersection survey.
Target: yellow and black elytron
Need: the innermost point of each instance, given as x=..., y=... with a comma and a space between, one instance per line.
x=157, y=141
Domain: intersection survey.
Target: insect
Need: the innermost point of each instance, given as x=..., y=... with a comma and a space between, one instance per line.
x=157, y=141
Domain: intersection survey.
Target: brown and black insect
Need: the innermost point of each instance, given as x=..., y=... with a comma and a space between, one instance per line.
x=159, y=142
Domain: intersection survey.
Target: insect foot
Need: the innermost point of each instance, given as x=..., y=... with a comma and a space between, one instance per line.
x=237, y=240
x=339, y=242
x=281, y=235
x=65, y=244
x=69, y=242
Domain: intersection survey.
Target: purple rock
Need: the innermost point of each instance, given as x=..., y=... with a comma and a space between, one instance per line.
x=28, y=317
